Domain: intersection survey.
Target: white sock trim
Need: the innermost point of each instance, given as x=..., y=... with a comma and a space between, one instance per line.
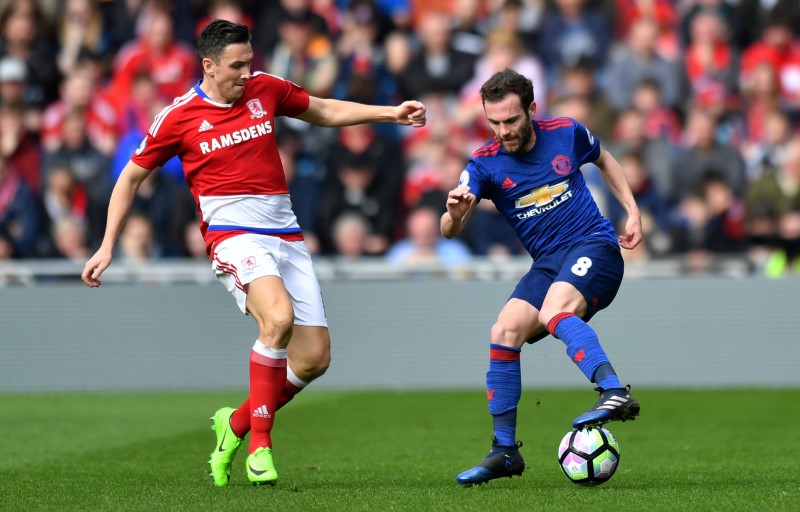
x=294, y=379
x=272, y=353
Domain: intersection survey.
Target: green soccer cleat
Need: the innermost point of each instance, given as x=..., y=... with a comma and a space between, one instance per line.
x=227, y=445
x=260, y=468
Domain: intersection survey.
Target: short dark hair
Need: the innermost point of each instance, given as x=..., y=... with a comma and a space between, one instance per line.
x=506, y=82
x=218, y=35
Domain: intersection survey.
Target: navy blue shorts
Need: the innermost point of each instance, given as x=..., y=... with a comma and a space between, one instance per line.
x=594, y=267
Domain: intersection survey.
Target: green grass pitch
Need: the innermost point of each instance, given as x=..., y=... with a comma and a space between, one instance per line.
x=702, y=450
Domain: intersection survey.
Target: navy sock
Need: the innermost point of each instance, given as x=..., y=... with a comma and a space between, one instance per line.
x=503, y=389
x=606, y=377
x=583, y=347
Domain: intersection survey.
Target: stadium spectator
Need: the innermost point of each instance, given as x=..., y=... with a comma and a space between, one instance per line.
x=80, y=30
x=351, y=231
x=660, y=121
x=134, y=121
x=653, y=206
x=231, y=10
x=436, y=67
x=770, y=198
x=137, y=240
x=157, y=199
x=710, y=220
x=765, y=155
x=156, y=50
x=656, y=155
x=24, y=35
x=266, y=34
x=573, y=30
x=703, y=154
x=580, y=79
x=711, y=62
x=663, y=13
x=13, y=76
x=523, y=17
x=19, y=147
x=639, y=60
x=465, y=27
x=424, y=243
x=80, y=91
x=365, y=173
x=89, y=167
x=362, y=74
x=779, y=48
x=756, y=15
x=69, y=240
x=20, y=214
x=63, y=195
x=303, y=55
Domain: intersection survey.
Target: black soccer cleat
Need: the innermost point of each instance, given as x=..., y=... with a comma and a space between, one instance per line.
x=502, y=461
x=613, y=405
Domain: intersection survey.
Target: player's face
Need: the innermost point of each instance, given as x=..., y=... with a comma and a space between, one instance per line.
x=511, y=123
x=233, y=71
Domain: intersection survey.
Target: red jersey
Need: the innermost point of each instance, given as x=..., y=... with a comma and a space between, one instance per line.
x=230, y=157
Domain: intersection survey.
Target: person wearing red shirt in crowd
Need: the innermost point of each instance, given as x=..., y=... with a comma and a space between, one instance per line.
x=710, y=60
x=780, y=50
x=18, y=146
x=171, y=63
x=80, y=91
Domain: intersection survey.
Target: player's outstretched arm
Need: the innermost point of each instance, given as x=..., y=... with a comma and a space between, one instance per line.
x=118, y=207
x=460, y=203
x=615, y=178
x=330, y=112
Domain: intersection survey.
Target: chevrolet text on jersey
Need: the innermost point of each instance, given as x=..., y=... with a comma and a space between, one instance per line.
x=237, y=137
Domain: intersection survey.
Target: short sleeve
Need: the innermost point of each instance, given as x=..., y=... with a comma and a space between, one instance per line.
x=474, y=177
x=587, y=146
x=161, y=143
x=292, y=101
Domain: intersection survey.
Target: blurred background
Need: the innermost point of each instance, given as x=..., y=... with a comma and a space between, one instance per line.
x=698, y=99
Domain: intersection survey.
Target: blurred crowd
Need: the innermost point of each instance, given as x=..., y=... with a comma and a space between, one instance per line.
x=698, y=99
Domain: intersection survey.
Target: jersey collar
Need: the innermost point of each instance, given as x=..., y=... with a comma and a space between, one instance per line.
x=200, y=92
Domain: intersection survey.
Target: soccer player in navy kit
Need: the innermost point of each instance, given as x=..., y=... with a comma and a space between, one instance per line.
x=531, y=171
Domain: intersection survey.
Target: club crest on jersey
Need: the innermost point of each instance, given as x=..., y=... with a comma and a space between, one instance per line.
x=543, y=199
x=561, y=164
x=256, y=109
x=249, y=263
x=464, y=178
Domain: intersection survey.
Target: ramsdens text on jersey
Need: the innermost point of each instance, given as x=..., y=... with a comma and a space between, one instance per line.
x=237, y=137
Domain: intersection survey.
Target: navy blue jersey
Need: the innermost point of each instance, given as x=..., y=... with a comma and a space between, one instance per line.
x=542, y=193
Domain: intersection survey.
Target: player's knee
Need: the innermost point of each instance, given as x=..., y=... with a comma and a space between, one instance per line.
x=506, y=335
x=276, y=327
x=312, y=365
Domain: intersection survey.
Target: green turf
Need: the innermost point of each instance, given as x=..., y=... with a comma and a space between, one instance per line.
x=377, y=451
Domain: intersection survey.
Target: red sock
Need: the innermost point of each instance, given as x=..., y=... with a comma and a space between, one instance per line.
x=287, y=393
x=240, y=420
x=267, y=375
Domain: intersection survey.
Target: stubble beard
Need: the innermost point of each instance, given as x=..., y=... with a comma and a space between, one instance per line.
x=524, y=138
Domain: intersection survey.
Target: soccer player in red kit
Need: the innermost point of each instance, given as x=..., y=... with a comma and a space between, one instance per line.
x=223, y=131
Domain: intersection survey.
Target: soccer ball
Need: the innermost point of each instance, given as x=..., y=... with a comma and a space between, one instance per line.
x=588, y=456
